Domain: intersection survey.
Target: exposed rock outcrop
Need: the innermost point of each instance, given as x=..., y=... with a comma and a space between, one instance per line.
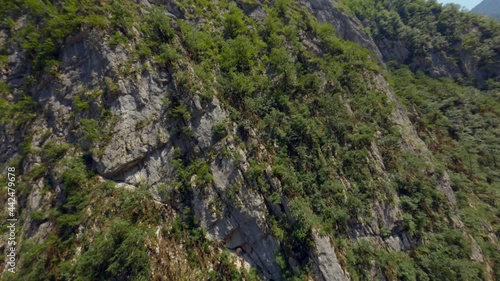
x=138, y=141
x=327, y=265
x=346, y=27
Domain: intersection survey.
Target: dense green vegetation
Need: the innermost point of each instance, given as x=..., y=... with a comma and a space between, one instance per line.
x=18, y=111
x=119, y=255
x=461, y=125
x=433, y=33
x=318, y=114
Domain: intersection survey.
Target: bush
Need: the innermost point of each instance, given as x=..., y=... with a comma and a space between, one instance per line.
x=200, y=45
x=445, y=256
x=159, y=26
x=118, y=254
x=38, y=216
x=238, y=54
x=219, y=131
x=167, y=55
x=180, y=112
x=203, y=172
x=92, y=133
x=233, y=22
x=52, y=151
x=20, y=112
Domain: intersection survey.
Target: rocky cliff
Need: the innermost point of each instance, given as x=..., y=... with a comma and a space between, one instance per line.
x=197, y=140
x=439, y=40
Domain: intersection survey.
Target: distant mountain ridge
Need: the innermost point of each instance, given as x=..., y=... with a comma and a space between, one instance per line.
x=490, y=8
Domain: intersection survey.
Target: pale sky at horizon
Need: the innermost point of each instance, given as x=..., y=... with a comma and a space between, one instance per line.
x=469, y=4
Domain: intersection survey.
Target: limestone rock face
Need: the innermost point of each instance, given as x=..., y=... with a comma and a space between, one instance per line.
x=141, y=137
x=438, y=64
x=140, y=151
x=346, y=27
x=326, y=263
x=141, y=145
x=234, y=213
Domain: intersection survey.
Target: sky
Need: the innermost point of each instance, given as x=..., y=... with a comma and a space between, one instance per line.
x=469, y=4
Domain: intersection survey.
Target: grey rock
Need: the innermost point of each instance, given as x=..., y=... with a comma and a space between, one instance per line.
x=141, y=144
x=346, y=27
x=238, y=218
x=326, y=264
x=393, y=50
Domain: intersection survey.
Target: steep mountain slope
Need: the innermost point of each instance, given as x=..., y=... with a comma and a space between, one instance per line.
x=490, y=8
x=248, y=140
x=439, y=40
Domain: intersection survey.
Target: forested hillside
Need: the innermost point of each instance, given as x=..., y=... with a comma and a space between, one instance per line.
x=440, y=41
x=250, y=140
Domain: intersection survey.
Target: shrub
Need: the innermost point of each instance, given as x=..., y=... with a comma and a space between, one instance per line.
x=238, y=54
x=219, y=131
x=118, y=254
x=159, y=25
x=38, y=216
x=203, y=173
x=233, y=22
x=117, y=39
x=20, y=112
x=180, y=112
x=111, y=86
x=53, y=151
x=90, y=131
x=167, y=55
x=81, y=104
x=199, y=44
x=96, y=21
x=75, y=174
